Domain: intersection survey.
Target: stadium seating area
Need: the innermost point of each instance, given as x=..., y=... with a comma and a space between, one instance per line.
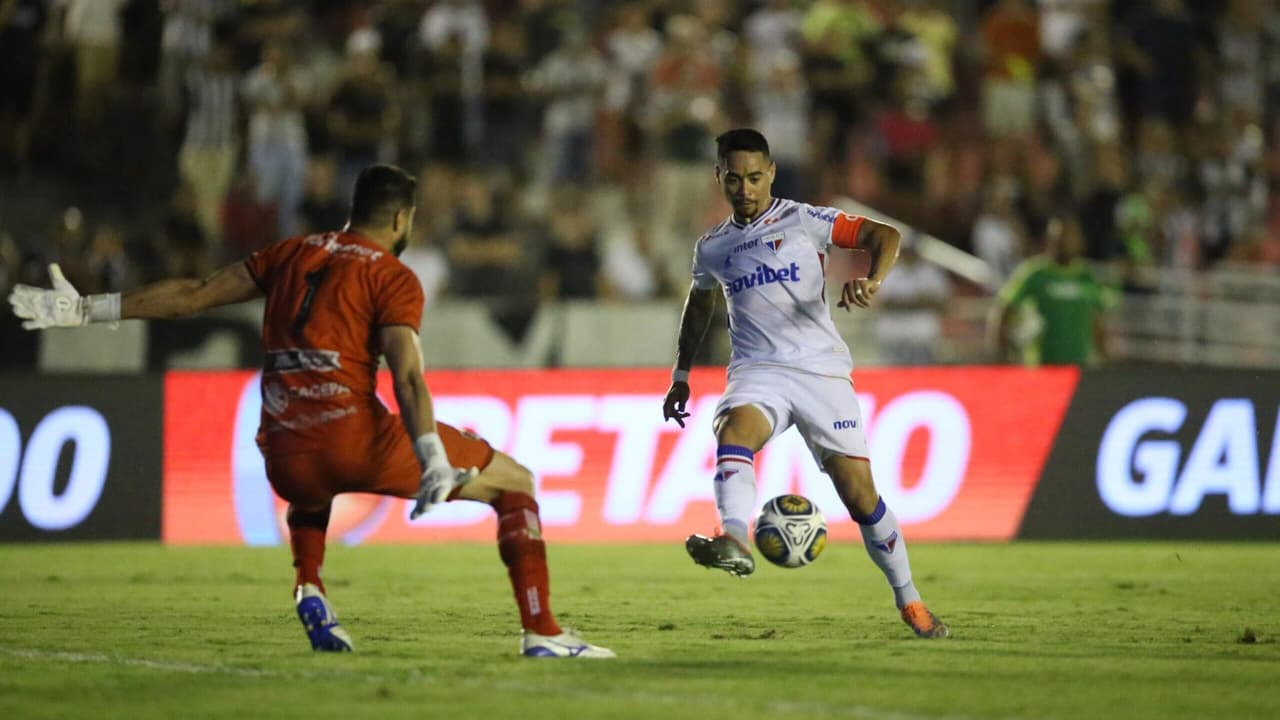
x=564, y=147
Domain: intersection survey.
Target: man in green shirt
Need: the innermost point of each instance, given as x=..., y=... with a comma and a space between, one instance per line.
x=1059, y=288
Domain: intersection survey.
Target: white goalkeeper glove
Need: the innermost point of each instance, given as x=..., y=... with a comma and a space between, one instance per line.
x=62, y=306
x=439, y=478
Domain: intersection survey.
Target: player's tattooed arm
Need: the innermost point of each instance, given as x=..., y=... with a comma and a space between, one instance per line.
x=694, y=322
x=183, y=297
x=64, y=306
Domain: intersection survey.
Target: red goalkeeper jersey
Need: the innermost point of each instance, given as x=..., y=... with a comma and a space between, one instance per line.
x=327, y=295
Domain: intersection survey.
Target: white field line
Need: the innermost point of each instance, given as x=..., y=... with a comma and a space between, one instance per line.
x=809, y=709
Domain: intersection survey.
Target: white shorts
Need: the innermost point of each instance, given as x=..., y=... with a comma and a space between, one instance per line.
x=824, y=409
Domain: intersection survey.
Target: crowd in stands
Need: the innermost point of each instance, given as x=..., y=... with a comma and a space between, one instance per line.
x=564, y=147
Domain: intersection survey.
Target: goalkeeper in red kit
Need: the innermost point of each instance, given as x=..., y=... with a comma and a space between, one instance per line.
x=334, y=303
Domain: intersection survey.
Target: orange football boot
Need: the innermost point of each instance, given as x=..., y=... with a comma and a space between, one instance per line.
x=923, y=622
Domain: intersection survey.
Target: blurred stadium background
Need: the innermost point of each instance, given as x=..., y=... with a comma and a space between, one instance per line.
x=565, y=152
x=564, y=149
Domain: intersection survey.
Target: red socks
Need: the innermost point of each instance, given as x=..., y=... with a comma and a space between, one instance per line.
x=306, y=537
x=525, y=555
x=519, y=543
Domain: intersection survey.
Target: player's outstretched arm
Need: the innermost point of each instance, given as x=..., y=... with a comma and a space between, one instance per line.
x=184, y=297
x=694, y=322
x=64, y=306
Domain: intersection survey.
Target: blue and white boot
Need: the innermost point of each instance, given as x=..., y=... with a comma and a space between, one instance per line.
x=320, y=621
x=567, y=644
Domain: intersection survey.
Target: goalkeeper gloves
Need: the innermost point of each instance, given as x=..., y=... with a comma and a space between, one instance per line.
x=62, y=306
x=439, y=478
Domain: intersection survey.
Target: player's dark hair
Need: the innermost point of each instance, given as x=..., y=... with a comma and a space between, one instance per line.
x=381, y=191
x=743, y=140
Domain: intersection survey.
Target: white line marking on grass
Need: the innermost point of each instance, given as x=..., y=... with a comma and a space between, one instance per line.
x=178, y=667
x=811, y=709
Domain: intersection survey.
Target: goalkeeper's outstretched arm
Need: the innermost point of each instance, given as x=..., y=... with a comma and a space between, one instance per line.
x=183, y=297
x=63, y=306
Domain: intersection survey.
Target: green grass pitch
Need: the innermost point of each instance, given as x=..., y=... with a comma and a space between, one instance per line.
x=1104, y=630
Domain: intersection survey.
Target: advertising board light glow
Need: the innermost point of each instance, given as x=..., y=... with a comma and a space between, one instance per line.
x=609, y=469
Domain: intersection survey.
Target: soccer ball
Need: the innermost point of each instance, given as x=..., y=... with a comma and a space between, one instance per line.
x=790, y=531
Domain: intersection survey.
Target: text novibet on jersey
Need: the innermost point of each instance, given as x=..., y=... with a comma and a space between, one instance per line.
x=763, y=275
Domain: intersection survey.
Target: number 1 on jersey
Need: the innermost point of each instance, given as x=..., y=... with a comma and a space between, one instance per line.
x=314, y=278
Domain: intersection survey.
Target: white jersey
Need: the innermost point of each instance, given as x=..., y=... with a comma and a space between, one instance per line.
x=771, y=270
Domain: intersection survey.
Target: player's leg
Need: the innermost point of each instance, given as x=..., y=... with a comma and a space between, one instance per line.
x=747, y=416
x=301, y=480
x=307, y=528
x=883, y=539
x=306, y=537
x=508, y=488
x=829, y=418
x=740, y=432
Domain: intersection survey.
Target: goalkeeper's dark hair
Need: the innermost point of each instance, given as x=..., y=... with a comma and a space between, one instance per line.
x=741, y=140
x=381, y=191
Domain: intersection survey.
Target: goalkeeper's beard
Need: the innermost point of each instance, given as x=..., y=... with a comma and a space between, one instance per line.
x=400, y=245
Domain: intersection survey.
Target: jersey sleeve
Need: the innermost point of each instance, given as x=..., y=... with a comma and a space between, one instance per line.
x=262, y=264
x=829, y=226
x=1019, y=285
x=702, y=277
x=398, y=299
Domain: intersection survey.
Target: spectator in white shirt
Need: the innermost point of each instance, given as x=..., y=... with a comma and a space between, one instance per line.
x=92, y=28
x=276, y=93
x=185, y=43
x=211, y=143
x=571, y=79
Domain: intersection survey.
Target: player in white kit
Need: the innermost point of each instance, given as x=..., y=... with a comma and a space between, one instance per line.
x=789, y=366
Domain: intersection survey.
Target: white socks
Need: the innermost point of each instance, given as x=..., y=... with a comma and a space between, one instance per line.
x=887, y=548
x=735, y=486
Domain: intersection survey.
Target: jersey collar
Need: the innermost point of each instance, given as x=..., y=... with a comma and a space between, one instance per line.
x=768, y=211
x=360, y=239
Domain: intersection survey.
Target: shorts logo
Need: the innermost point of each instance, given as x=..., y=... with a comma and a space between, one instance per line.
x=844, y=424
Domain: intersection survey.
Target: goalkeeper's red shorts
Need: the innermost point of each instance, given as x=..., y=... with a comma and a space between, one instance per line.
x=373, y=454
